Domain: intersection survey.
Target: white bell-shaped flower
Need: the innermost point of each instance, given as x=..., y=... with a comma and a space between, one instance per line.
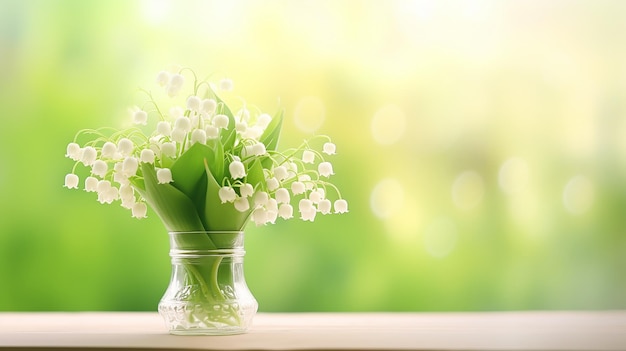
x=89, y=156
x=125, y=147
x=99, y=168
x=176, y=111
x=212, y=132
x=109, y=150
x=147, y=156
x=246, y=190
x=220, y=121
x=208, y=106
x=103, y=185
x=227, y=194
x=258, y=149
x=168, y=149
x=179, y=135
x=272, y=184
x=305, y=205
x=259, y=216
x=241, y=127
x=308, y=156
x=325, y=169
x=130, y=166
x=272, y=211
x=120, y=178
x=308, y=215
x=329, y=148
x=164, y=128
x=175, y=84
x=74, y=151
x=281, y=173
x=241, y=204
x=183, y=123
x=306, y=180
x=226, y=84
x=128, y=202
x=263, y=120
x=324, y=206
x=139, y=210
x=298, y=188
x=193, y=103
x=253, y=133
x=285, y=211
x=164, y=175
x=237, y=169
x=341, y=206
x=261, y=198
x=282, y=196
x=91, y=184
x=316, y=196
x=155, y=146
x=106, y=192
x=198, y=136
x=163, y=78
x=108, y=196
x=140, y=117
x=271, y=205
x=126, y=192
x=71, y=181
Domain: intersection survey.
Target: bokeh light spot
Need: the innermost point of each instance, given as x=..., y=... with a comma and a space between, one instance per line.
x=388, y=124
x=309, y=114
x=578, y=195
x=440, y=237
x=513, y=175
x=468, y=190
x=387, y=198
x=156, y=11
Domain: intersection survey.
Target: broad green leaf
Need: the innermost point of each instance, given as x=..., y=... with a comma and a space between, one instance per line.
x=175, y=209
x=216, y=162
x=188, y=170
x=255, y=173
x=271, y=135
x=221, y=216
x=272, y=132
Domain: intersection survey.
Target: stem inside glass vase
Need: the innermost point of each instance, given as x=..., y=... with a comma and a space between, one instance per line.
x=207, y=294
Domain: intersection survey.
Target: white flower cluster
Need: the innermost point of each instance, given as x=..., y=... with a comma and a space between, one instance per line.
x=296, y=175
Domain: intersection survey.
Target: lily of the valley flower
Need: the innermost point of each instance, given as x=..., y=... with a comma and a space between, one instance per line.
x=329, y=148
x=251, y=175
x=71, y=181
x=227, y=194
x=325, y=169
x=237, y=169
x=164, y=175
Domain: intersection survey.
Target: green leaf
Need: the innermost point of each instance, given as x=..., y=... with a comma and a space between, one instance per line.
x=271, y=135
x=216, y=160
x=255, y=173
x=175, y=209
x=218, y=215
x=188, y=170
x=272, y=132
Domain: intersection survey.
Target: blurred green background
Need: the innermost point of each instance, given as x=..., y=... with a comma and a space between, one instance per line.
x=482, y=147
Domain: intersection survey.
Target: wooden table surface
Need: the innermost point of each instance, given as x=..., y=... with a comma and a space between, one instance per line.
x=575, y=330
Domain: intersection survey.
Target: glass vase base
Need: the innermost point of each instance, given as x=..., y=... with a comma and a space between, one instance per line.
x=225, y=319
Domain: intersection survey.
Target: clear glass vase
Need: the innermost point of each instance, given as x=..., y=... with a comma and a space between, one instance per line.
x=207, y=293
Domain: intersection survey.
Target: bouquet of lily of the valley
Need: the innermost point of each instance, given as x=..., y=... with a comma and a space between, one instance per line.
x=203, y=168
